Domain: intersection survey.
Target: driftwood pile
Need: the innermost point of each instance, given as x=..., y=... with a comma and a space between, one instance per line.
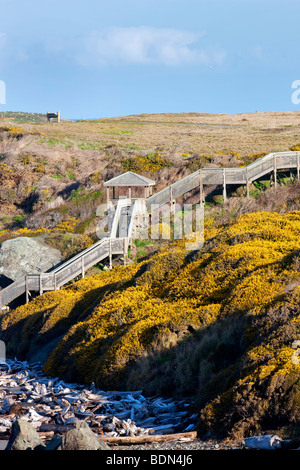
x=52, y=406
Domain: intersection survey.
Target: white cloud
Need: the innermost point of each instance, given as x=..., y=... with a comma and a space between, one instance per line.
x=146, y=46
x=12, y=48
x=257, y=52
x=2, y=41
x=3, y=38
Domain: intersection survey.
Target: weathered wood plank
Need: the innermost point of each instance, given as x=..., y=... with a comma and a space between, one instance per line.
x=148, y=438
x=57, y=428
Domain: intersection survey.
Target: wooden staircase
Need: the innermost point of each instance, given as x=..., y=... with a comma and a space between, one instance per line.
x=270, y=163
x=117, y=241
x=107, y=247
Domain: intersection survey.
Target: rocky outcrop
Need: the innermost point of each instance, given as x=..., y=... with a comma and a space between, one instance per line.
x=82, y=438
x=25, y=255
x=25, y=437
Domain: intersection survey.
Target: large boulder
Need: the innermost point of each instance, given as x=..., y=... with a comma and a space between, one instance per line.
x=25, y=255
x=24, y=437
x=82, y=438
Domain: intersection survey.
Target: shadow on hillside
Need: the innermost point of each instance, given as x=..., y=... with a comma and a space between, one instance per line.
x=29, y=338
x=201, y=365
x=64, y=193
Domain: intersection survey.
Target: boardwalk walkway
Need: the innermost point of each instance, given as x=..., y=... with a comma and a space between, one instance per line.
x=117, y=241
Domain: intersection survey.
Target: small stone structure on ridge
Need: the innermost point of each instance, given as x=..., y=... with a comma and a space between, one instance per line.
x=53, y=116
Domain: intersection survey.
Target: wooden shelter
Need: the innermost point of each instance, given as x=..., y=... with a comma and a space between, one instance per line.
x=128, y=181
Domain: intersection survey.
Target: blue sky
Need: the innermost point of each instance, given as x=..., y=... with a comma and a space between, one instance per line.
x=95, y=58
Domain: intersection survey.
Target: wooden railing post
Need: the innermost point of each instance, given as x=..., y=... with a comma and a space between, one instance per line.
x=110, y=254
x=202, y=197
x=26, y=288
x=247, y=183
x=124, y=251
x=172, y=205
x=82, y=267
x=41, y=284
x=224, y=186
x=266, y=166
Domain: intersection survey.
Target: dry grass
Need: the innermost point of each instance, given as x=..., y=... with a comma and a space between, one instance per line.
x=183, y=132
x=51, y=161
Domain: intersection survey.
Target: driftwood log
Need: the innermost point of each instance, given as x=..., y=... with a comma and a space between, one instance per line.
x=148, y=438
x=57, y=428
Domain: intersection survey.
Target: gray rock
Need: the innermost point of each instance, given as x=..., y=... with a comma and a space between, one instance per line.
x=24, y=437
x=108, y=427
x=71, y=420
x=47, y=219
x=82, y=438
x=25, y=255
x=54, y=443
x=7, y=403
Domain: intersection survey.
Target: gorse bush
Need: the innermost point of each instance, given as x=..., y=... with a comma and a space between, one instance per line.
x=197, y=161
x=62, y=237
x=296, y=147
x=150, y=163
x=17, y=133
x=217, y=325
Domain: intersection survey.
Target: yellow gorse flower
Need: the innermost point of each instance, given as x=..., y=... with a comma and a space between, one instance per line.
x=119, y=315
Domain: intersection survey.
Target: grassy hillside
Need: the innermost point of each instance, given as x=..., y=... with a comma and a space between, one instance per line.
x=23, y=117
x=178, y=133
x=217, y=327
x=53, y=173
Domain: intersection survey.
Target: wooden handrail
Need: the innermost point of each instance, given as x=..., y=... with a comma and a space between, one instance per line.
x=105, y=247
x=70, y=269
x=226, y=175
